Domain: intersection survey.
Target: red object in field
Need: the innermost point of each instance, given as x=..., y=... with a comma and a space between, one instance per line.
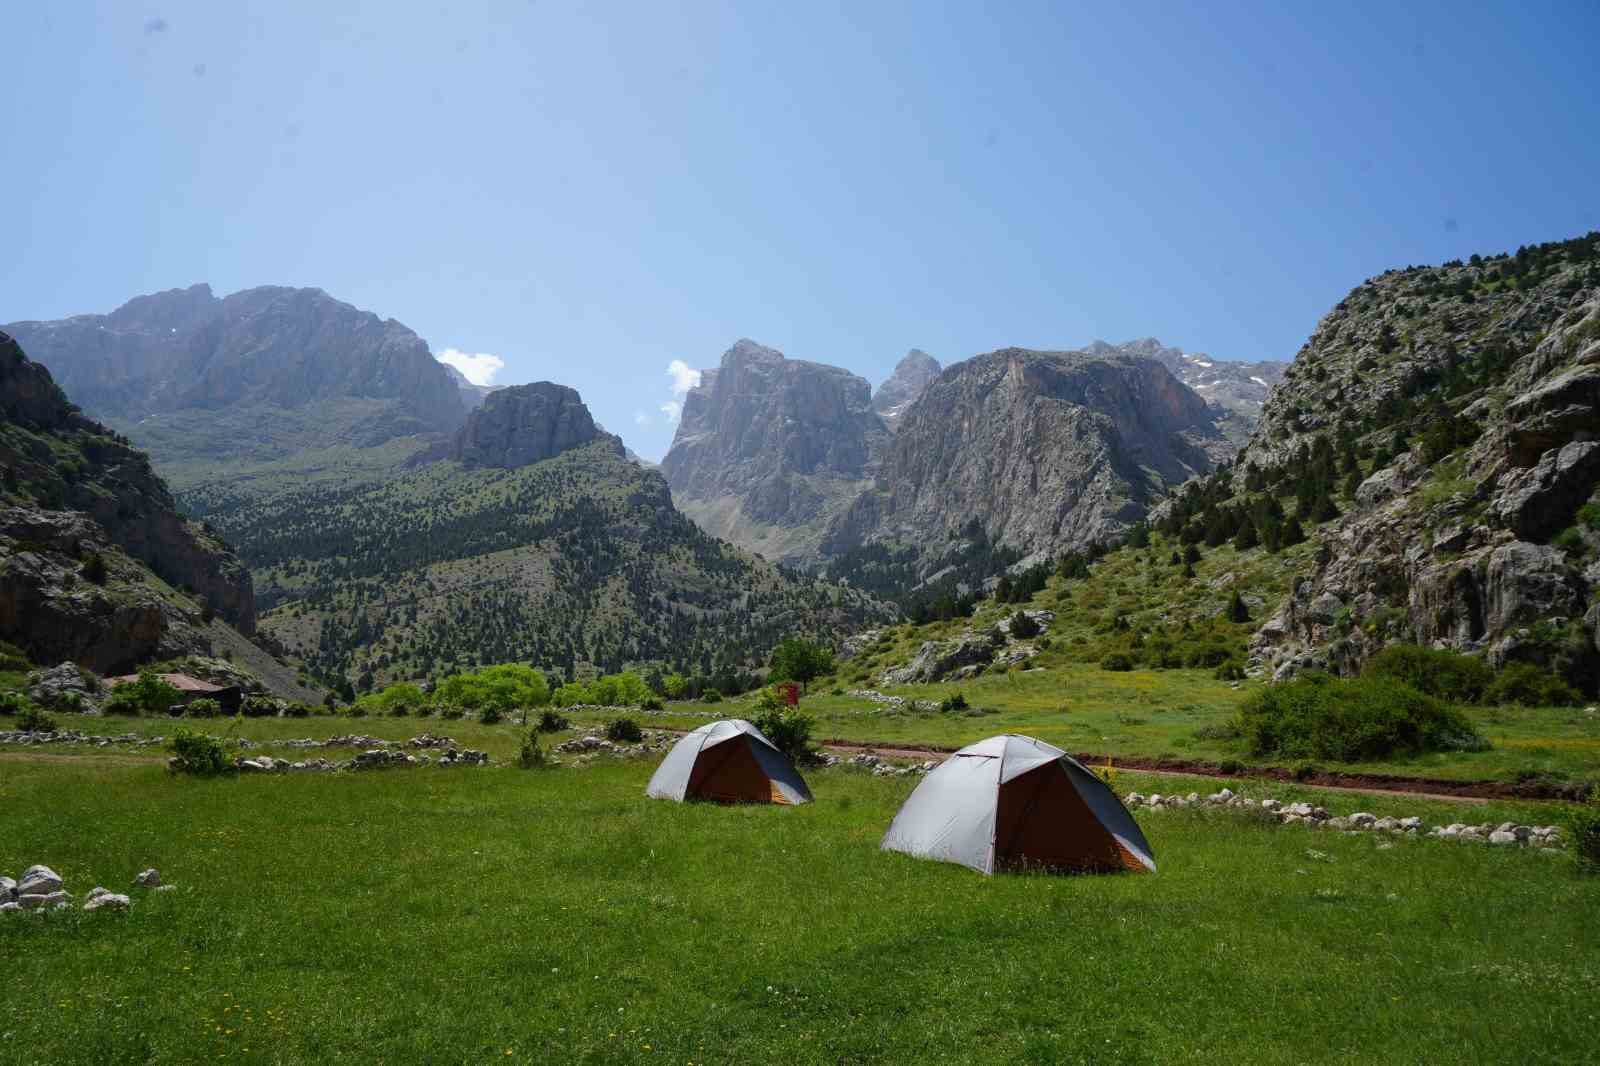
x=790, y=692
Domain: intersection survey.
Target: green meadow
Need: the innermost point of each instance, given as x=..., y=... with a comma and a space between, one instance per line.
x=559, y=916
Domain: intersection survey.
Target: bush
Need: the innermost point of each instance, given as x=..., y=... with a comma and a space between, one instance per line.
x=150, y=694
x=297, y=710
x=1231, y=670
x=624, y=731
x=259, y=707
x=1022, y=627
x=789, y=731
x=552, y=721
x=197, y=753
x=14, y=703
x=1118, y=661
x=531, y=755
x=94, y=569
x=490, y=715
x=1318, y=717
x=953, y=703
x=32, y=720
x=1445, y=675
x=202, y=708
x=710, y=695
x=1526, y=684
x=1582, y=825
x=650, y=703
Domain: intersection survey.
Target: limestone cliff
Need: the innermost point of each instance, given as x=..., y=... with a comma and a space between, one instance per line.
x=526, y=424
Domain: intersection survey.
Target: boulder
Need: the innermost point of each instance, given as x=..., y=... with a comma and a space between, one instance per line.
x=8, y=890
x=1502, y=838
x=105, y=900
x=64, y=687
x=935, y=660
x=150, y=878
x=38, y=880
x=1528, y=583
x=1563, y=408
x=1538, y=501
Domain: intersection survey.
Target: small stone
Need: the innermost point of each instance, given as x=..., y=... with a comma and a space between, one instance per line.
x=107, y=901
x=1134, y=799
x=8, y=890
x=1411, y=825
x=1522, y=832
x=32, y=901
x=150, y=878
x=1502, y=838
x=166, y=888
x=1386, y=825
x=1363, y=819
x=1270, y=804
x=1155, y=799
x=10, y=905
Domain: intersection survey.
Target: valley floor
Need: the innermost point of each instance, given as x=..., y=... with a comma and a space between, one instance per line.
x=492, y=914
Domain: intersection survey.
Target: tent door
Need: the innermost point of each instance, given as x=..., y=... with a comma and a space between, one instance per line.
x=1041, y=821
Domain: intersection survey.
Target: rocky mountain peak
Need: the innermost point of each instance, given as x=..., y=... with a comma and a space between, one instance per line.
x=526, y=424
x=911, y=376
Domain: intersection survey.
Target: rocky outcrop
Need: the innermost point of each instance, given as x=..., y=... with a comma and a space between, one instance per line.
x=1047, y=451
x=526, y=424
x=911, y=377
x=472, y=396
x=1469, y=540
x=73, y=486
x=261, y=349
x=768, y=449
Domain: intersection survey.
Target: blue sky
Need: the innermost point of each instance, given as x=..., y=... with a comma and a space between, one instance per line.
x=589, y=193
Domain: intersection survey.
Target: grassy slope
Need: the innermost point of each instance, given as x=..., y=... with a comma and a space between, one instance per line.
x=459, y=915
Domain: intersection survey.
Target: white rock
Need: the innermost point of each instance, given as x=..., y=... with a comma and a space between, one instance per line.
x=8, y=890
x=1363, y=819
x=150, y=878
x=1501, y=838
x=1270, y=805
x=1411, y=825
x=1155, y=799
x=10, y=905
x=39, y=881
x=1226, y=794
x=1385, y=825
x=112, y=901
x=166, y=888
x=30, y=902
x=1134, y=799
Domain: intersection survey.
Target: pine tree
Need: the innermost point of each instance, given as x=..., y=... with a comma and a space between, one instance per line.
x=1237, y=611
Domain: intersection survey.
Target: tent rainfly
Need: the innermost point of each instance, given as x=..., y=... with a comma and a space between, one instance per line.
x=1015, y=801
x=730, y=761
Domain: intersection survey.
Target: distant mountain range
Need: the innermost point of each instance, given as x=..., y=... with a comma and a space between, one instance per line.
x=798, y=460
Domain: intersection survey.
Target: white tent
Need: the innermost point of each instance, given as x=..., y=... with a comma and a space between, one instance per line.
x=1015, y=801
x=730, y=761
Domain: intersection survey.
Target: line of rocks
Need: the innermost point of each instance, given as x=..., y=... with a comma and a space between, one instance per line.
x=41, y=889
x=593, y=745
x=896, y=702
x=371, y=759
x=1505, y=834
x=879, y=766
x=72, y=736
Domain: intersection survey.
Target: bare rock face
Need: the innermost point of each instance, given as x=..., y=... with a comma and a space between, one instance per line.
x=1237, y=387
x=74, y=488
x=526, y=424
x=1458, y=548
x=1046, y=450
x=265, y=349
x=911, y=377
x=768, y=448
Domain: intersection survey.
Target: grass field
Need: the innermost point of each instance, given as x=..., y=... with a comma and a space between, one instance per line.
x=498, y=915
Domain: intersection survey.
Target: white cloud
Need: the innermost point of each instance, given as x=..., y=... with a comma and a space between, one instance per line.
x=478, y=368
x=672, y=409
x=642, y=419
x=684, y=377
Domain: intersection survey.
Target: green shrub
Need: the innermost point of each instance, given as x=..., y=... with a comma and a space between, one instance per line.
x=297, y=709
x=490, y=715
x=624, y=731
x=1231, y=670
x=953, y=703
x=13, y=657
x=1118, y=661
x=1582, y=825
x=259, y=707
x=150, y=694
x=552, y=721
x=710, y=695
x=1022, y=627
x=1445, y=675
x=197, y=753
x=531, y=754
x=1319, y=717
x=650, y=703
x=789, y=731
x=1526, y=684
x=94, y=569
x=32, y=720
x=202, y=708
x=14, y=703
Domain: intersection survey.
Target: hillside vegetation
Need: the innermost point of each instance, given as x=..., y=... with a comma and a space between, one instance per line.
x=578, y=561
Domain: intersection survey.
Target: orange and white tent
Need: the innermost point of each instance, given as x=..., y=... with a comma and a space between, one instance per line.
x=1013, y=801
x=730, y=761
